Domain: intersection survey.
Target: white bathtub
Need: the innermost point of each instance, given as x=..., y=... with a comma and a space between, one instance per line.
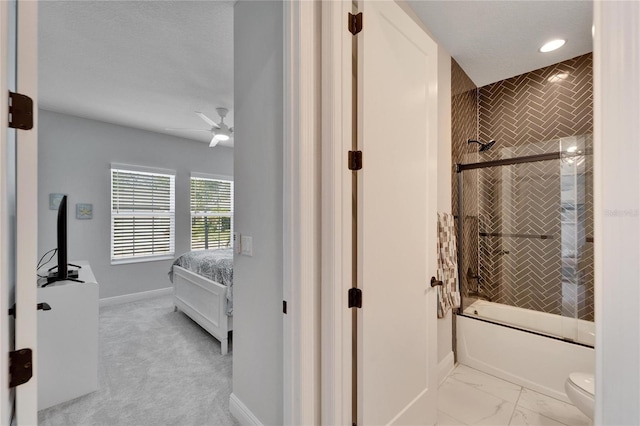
x=553, y=325
x=531, y=360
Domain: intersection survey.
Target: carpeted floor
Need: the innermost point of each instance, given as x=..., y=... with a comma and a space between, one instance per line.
x=157, y=367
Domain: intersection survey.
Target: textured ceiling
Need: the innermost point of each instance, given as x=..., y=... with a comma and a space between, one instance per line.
x=144, y=64
x=495, y=40
x=151, y=64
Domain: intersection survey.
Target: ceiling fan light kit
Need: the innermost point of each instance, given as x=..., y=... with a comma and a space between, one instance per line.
x=220, y=132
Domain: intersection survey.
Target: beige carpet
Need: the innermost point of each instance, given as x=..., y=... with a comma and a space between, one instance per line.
x=157, y=367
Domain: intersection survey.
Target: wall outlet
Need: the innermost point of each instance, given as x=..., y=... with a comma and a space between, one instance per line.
x=246, y=244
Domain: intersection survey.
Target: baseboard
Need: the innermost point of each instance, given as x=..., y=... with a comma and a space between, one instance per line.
x=241, y=413
x=445, y=367
x=133, y=297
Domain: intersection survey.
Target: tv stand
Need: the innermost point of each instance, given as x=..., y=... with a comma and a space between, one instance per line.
x=68, y=339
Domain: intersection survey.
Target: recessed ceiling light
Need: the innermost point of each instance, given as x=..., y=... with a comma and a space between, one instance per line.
x=552, y=45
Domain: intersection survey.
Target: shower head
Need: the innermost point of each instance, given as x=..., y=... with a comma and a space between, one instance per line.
x=483, y=146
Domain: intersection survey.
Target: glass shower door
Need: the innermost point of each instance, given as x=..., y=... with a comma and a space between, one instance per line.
x=526, y=252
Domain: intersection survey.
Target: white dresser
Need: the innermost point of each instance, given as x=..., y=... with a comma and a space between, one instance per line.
x=68, y=339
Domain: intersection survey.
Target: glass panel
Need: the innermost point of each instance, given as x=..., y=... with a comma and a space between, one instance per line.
x=527, y=240
x=210, y=232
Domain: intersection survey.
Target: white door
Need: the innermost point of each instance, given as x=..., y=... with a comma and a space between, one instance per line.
x=397, y=116
x=18, y=202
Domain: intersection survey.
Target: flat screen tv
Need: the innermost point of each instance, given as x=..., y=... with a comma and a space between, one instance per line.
x=62, y=239
x=61, y=271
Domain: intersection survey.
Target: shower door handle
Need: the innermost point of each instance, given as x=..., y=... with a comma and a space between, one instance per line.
x=435, y=282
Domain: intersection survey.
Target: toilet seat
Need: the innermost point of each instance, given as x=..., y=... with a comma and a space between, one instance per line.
x=580, y=388
x=584, y=381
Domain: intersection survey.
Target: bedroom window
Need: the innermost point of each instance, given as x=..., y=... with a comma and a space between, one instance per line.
x=142, y=214
x=211, y=213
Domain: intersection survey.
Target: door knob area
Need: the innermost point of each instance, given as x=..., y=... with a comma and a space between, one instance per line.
x=40, y=306
x=435, y=282
x=44, y=307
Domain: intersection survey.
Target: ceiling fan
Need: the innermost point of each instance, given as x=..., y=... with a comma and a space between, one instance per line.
x=219, y=131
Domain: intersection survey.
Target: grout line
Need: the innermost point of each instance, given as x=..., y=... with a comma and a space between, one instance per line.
x=516, y=405
x=491, y=375
x=454, y=418
x=551, y=418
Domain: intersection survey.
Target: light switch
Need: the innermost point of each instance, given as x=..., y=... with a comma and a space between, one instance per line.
x=236, y=243
x=247, y=245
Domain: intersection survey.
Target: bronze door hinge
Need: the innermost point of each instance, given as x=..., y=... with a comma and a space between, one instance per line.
x=355, y=160
x=355, y=298
x=355, y=23
x=20, y=111
x=20, y=367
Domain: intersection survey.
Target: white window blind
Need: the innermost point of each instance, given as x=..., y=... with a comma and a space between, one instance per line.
x=211, y=213
x=142, y=215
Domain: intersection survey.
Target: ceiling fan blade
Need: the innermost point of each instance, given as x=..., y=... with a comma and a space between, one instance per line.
x=207, y=120
x=214, y=142
x=186, y=130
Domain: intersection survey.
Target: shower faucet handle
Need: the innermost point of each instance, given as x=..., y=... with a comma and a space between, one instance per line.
x=472, y=276
x=435, y=282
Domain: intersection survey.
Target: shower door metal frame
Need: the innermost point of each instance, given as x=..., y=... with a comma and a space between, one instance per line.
x=460, y=167
x=509, y=161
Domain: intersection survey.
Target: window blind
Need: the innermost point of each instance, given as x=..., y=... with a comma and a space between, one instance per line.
x=211, y=213
x=142, y=215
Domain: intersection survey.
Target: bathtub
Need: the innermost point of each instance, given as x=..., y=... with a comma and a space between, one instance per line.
x=527, y=358
x=570, y=329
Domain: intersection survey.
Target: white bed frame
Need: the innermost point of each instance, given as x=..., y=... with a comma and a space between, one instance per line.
x=205, y=302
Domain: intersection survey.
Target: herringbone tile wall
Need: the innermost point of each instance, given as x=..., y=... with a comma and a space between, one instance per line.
x=527, y=115
x=539, y=105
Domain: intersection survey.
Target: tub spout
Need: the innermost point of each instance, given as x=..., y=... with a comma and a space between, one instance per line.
x=471, y=276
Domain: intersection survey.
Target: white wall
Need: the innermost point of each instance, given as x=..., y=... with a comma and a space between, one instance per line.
x=616, y=211
x=74, y=157
x=258, y=162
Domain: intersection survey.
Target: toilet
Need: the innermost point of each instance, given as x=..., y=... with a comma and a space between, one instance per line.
x=580, y=388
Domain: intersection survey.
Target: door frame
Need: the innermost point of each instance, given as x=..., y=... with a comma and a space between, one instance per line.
x=336, y=269
x=301, y=213
x=5, y=408
x=317, y=327
x=27, y=208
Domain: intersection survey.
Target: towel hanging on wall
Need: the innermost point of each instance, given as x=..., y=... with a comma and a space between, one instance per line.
x=448, y=293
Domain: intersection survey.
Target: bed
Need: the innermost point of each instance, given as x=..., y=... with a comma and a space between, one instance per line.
x=203, y=290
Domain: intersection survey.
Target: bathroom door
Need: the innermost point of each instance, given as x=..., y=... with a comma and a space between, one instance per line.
x=397, y=116
x=18, y=207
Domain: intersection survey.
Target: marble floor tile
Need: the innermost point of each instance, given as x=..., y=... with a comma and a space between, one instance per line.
x=523, y=417
x=472, y=406
x=446, y=420
x=552, y=408
x=486, y=383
